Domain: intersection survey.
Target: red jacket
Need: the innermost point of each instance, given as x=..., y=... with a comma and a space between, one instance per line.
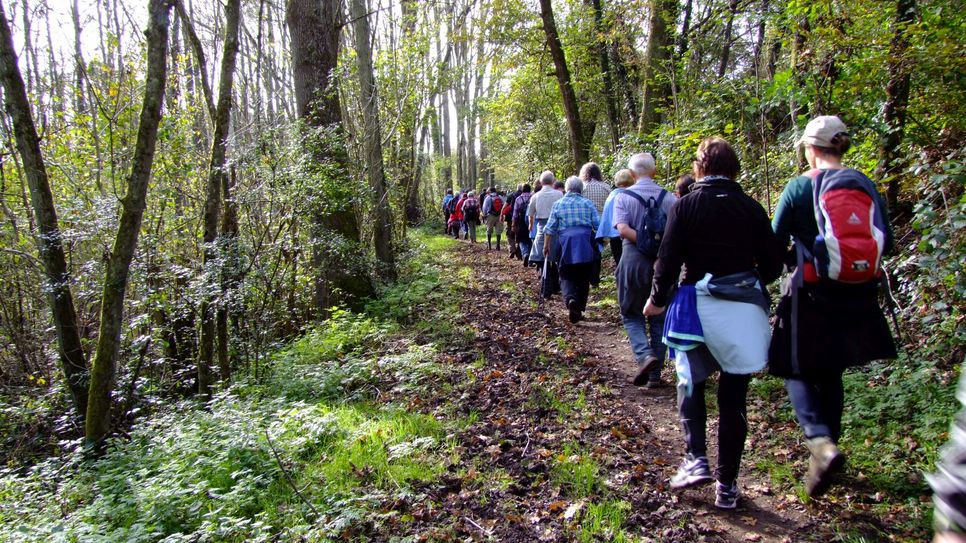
x=457, y=214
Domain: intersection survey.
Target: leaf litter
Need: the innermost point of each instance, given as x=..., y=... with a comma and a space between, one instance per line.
x=542, y=394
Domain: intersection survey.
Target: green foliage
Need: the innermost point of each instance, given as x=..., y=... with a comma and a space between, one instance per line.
x=302, y=454
x=897, y=418
x=330, y=361
x=934, y=279
x=420, y=287
x=213, y=474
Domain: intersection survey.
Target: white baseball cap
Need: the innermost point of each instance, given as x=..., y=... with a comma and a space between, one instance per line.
x=821, y=130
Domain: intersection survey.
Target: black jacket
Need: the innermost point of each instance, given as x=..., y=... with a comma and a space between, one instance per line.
x=716, y=229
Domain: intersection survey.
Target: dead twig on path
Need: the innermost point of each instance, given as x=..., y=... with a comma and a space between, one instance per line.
x=482, y=529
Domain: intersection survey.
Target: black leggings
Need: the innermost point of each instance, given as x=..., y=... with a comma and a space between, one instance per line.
x=732, y=423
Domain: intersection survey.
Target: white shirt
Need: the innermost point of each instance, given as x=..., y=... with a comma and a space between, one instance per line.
x=542, y=202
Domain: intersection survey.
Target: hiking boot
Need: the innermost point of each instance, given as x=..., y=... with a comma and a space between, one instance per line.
x=726, y=496
x=693, y=471
x=575, y=314
x=655, y=383
x=644, y=370
x=825, y=461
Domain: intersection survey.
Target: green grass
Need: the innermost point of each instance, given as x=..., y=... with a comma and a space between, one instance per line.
x=604, y=522
x=576, y=472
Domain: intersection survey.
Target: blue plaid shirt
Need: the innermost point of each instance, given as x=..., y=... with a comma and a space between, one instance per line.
x=571, y=210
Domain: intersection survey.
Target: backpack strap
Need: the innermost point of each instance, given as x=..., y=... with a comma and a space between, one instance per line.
x=660, y=198
x=637, y=197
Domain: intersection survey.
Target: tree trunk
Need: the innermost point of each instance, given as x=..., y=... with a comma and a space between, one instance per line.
x=897, y=100
x=623, y=81
x=685, y=36
x=132, y=210
x=314, y=29
x=199, y=52
x=577, y=144
x=760, y=38
x=660, y=40
x=407, y=150
x=49, y=244
x=799, y=64
x=231, y=271
x=726, y=46
x=601, y=44
x=372, y=140
x=446, y=129
x=217, y=178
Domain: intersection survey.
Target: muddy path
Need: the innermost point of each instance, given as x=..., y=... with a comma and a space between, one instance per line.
x=549, y=404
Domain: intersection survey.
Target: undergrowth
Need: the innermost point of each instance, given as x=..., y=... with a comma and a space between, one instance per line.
x=897, y=416
x=315, y=450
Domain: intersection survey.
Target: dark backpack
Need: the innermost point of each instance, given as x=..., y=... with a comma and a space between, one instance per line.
x=521, y=215
x=650, y=229
x=852, y=228
x=471, y=209
x=496, y=205
x=451, y=206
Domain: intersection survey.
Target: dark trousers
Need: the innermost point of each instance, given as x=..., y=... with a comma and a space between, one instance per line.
x=818, y=405
x=595, y=272
x=732, y=424
x=575, y=283
x=550, y=279
x=616, y=248
x=511, y=238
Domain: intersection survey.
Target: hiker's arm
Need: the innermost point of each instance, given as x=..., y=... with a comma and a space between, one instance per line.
x=670, y=258
x=627, y=232
x=547, y=243
x=769, y=251
x=784, y=219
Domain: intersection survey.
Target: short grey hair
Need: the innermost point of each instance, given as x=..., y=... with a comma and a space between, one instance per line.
x=642, y=164
x=547, y=178
x=574, y=184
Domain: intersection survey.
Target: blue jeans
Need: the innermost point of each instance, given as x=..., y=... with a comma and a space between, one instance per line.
x=525, y=245
x=636, y=328
x=818, y=405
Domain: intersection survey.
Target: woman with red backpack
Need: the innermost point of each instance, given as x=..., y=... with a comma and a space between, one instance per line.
x=455, y=223
x=829, y=316
x=470, y=210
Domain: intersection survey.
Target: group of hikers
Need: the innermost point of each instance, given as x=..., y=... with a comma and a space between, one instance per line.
x=692, y=268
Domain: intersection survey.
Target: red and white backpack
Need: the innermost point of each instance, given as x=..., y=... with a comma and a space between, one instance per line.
x=852, y=227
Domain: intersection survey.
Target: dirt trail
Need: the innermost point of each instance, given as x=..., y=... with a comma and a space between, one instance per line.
x=631, y=433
